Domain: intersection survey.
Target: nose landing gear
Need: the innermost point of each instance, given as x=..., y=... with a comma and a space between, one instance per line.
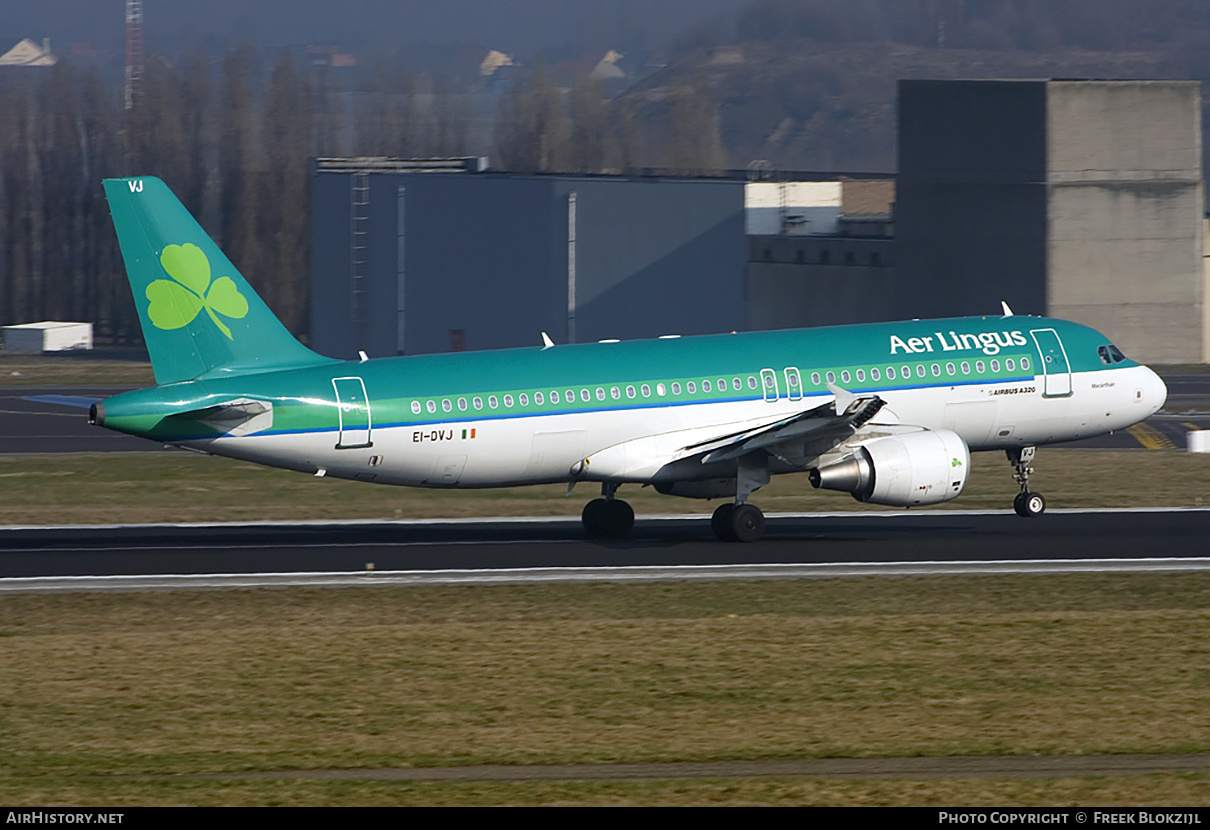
x=1027, y=503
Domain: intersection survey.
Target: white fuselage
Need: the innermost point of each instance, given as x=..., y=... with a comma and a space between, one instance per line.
x=505, y=451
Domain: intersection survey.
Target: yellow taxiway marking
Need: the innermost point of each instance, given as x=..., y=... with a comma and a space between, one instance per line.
x=1150, y=437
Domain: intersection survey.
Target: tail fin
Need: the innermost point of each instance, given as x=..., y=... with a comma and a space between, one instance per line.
x=199, y=316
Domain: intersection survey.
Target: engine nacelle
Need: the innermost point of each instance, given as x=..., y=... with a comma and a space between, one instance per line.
x=926, y=467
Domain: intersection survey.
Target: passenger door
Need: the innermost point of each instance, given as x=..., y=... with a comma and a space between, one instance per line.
x=353, y=411
x=1056, y=370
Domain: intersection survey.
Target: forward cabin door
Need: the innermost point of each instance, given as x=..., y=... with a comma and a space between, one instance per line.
x=353, y=409
x=1057, y=371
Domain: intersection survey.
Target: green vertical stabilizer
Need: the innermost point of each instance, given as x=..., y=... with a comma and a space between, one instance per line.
x=200, y=317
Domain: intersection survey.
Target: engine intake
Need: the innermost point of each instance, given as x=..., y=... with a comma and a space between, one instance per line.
x=926, y=467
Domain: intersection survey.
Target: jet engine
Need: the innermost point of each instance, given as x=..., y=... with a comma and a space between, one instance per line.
x=926, y=467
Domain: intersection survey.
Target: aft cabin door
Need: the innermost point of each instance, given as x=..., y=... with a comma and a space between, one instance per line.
x=1057, y=372
x=353, y=410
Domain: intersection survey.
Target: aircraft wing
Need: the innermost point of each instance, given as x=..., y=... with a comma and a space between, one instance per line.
x=838, y=418
x=830, y=422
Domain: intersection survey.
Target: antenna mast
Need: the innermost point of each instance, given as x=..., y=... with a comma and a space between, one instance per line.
x=134, y=53
x=134, y=72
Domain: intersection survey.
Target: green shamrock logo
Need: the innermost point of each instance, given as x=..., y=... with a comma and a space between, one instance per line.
x=955, y=463
x=175, y=302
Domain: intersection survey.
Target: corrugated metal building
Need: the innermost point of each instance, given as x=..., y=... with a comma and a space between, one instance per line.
x=409, y=258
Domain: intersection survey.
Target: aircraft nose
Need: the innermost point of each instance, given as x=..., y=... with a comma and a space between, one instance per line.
x=1154, y=391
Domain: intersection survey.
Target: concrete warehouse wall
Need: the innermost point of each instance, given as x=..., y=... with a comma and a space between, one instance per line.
x=1076, y=199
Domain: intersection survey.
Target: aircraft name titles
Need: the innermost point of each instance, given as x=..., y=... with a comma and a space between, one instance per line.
x=988, y=342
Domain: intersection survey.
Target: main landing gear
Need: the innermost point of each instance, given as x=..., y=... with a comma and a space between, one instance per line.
x=740, y=521
x=607, y=517
x=1026, y=503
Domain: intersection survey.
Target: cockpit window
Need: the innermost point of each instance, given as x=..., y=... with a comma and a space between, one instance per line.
x=1110, y=353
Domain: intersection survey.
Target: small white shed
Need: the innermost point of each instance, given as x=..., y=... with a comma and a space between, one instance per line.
x=48, y=336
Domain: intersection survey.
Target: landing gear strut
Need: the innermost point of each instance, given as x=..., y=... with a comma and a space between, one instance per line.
x=607, y=517
x=740, y=521
x=1026, y=503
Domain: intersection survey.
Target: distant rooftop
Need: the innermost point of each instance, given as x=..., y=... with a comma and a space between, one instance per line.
x=28, y=53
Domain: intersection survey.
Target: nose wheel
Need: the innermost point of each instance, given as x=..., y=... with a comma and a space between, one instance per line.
x=1027, y=503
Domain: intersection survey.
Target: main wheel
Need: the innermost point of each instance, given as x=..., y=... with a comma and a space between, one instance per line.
x=1029, y=504
x=617, y=519
x=593, y=517
x=720, y=522
x=747, y=523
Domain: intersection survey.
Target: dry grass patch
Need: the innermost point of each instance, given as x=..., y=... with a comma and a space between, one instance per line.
x=186, y=682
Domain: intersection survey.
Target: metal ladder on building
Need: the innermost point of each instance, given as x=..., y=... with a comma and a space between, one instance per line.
x=359, y=242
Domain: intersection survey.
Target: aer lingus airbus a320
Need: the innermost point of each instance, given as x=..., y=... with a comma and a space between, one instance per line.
x=888, y=412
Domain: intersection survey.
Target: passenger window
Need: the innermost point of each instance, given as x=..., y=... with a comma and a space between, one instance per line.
x=539, y=399
x=492, y=401
x=676, y=388
x=646, y=390
x=585, y=395
x=815, y=378
x=890, y=373
x=615, y=393
x=523, y=399
x=431, y=406
x=860, y=375
x=705, y=386
x=1025, y=364
x=949, y=369
x=722, y=384
x=936, y=370
x=844, y=376
x=979, y=366
x=736, y=385
x=919, y=370
x=554, y=396
x=600, y=394
x=508, y=401
x=966, y=368
x=751, y=382
x=691, y=388
x=478, y=403
x=415, y=407
x=462, y=404
x=659, y=389
x=446, y=405
x=831, y=376
x=875, y=374
x=1010, y=365
x=630, y=391
x=995, y=365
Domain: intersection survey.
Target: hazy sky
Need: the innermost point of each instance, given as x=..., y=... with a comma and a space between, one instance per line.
x=520, y=27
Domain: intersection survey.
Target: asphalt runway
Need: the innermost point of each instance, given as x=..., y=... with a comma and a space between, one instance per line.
x=28, y=425
x=907, y=537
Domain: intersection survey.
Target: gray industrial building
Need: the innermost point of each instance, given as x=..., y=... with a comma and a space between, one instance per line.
x=1076, y=199
x=409, y=258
